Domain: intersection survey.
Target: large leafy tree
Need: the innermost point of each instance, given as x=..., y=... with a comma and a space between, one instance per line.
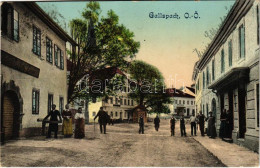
x=103, y=42
x=149, y=86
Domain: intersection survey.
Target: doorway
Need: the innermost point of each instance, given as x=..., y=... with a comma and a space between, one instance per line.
x=242, y=110
x=213, y=108
x=230, y=105
x=10, y=113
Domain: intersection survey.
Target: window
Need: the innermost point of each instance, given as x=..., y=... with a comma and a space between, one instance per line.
x=213, y=70
x=111, y=100
x=111, y=114
x=48, y=50
x=191, y=102
x=116, y=100
x=35, y=101
x=56, y=55
x=183, y=101
x=50, y=102
x=10, y=22
x=242, y=41
x=106, y=100
x=179, y=101
x=61, y=102
x=116, y=114
x=121, y=101
x=125, y=114
x=230, y=53
x=124, y=101
x=203, y=80
x=188, y=102
x=258, y=24
x=132, y=102
x=36, y=41
x=61, y=60
x=207, y=76
x=16, y=25
x=128, y=102
x=257, y=99
x=222, y=61
x=176, y=102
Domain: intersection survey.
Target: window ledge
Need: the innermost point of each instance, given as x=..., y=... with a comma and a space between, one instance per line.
x=241, y=60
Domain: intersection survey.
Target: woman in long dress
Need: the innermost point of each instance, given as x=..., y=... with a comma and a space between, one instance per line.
x=79, y=124
x=223, y=117
x=67, y=122
x=211, y=126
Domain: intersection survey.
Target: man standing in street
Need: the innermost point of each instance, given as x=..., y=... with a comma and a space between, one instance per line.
x=201, y=123
x=102, y=119
x=53, y=126
x=172, y=122
x=141, y=125
x=182, y=126
x=193, y=124
x=157, y=123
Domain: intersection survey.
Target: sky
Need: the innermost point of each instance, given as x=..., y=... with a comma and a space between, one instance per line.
x=168, y=44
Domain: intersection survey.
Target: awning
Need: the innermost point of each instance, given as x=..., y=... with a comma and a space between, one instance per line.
x=231, y=78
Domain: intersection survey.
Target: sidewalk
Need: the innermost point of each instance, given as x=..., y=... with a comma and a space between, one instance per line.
x=230, y=154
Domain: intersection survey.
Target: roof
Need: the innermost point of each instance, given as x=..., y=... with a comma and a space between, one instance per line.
x=191, y=89
x=239, y=9
x=142, y=107
x=173, y=92
x=49, y=22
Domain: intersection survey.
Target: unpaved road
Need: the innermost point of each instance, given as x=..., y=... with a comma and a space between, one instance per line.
x=122, y=146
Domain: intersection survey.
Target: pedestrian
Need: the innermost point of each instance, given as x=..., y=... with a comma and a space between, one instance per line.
x=53, y=125
x=223, y=118
x=229, y=124
x=193, y=124
x=141, y=125
x=182, y=126
x=172, y=123
x=103, y=119
x=211, y=126
x=201, y=123
x=79, y=124
x=157, y=123
x=67, y=122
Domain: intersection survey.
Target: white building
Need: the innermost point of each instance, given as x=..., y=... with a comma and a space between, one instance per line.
x=230, y=72
x=33, y=67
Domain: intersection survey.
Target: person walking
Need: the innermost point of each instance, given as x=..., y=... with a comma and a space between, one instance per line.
x=211, y=126
x=182, y=126
x=172, y=124
x=193, y=124
x=223, y=118
x=67, y=122
x=103, y=118
x=141, y=125
x=157, y=123
x=201, y=123
x=53, y=125
x=79, y=124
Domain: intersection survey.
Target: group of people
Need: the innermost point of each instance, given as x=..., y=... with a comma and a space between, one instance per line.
x=79, y=118
x=194, y=120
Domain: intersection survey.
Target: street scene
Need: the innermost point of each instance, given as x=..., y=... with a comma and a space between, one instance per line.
x=130, y=84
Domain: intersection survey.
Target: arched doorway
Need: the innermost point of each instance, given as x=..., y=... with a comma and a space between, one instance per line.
x=214, y=107
x=10, y=123
x=11, y=111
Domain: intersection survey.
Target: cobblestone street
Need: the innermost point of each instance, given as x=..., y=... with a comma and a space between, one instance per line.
x=121, y=146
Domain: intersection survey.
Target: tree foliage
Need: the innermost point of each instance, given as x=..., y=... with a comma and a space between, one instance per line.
x=103, y=42
x=150, y=87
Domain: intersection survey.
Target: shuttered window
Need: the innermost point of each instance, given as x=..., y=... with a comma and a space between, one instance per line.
x=48, y=50
x=242, y=41
x=36, y=41
x=230, y=53
x=222, y=61
x=35, y=101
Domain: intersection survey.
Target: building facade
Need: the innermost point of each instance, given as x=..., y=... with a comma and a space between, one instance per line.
x=230, y=73
x=33, y=67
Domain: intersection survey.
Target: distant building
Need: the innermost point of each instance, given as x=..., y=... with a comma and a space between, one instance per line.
x=33, y=67
x=227, y=75
x=183, y=103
